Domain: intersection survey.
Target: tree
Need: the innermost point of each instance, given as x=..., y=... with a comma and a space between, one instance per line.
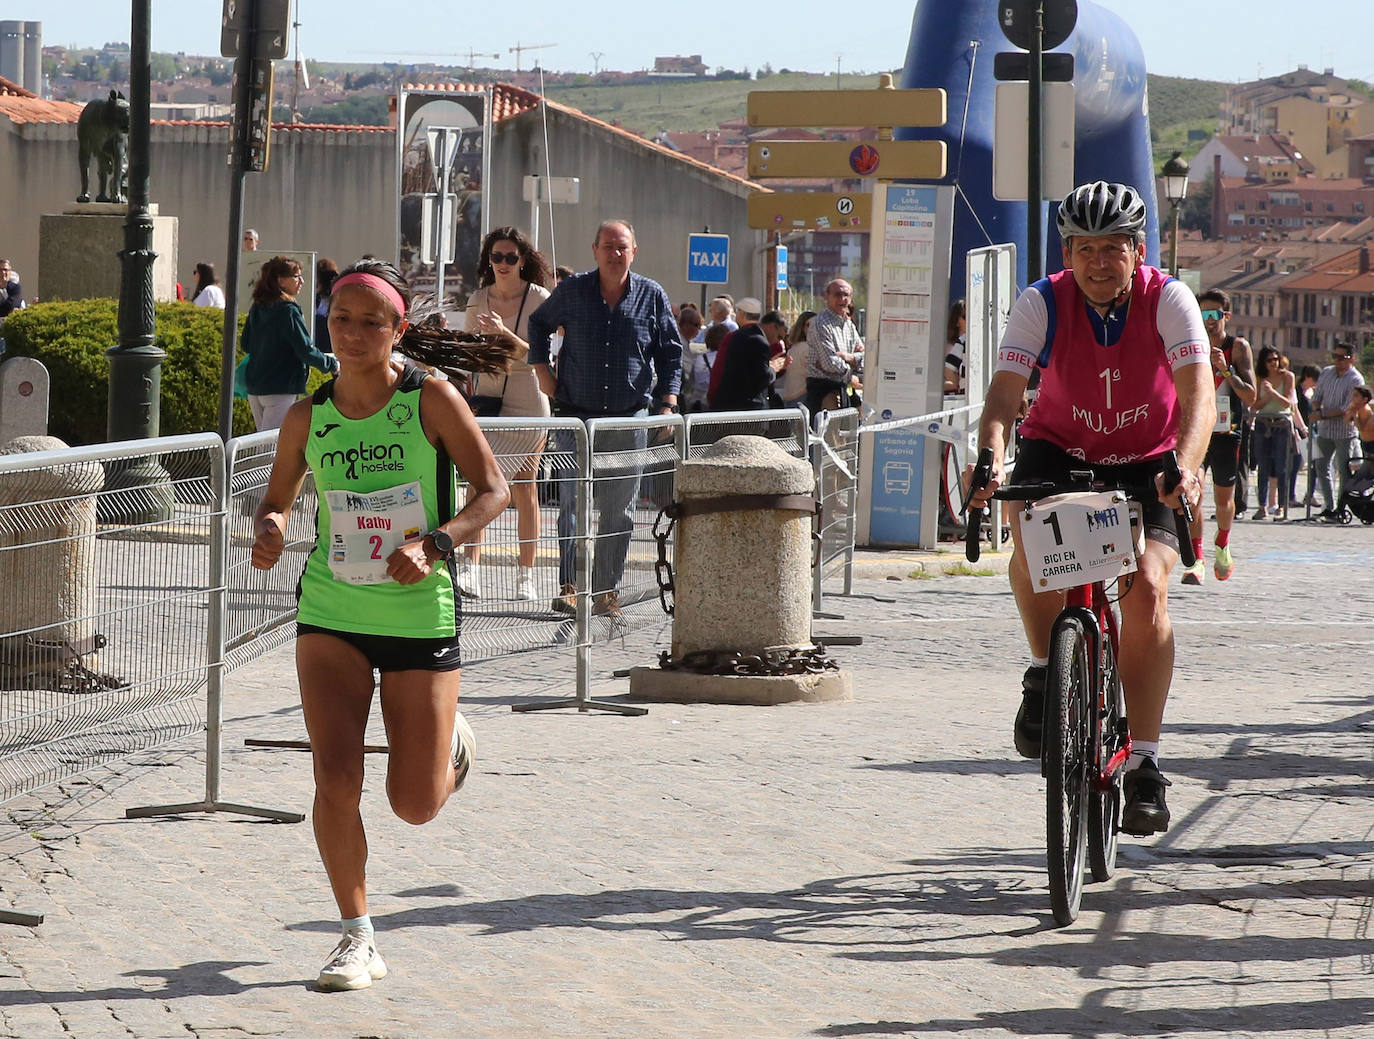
x=1196, y=212
x=162, y=67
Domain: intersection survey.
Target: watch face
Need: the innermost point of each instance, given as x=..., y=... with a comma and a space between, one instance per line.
x=442, y=541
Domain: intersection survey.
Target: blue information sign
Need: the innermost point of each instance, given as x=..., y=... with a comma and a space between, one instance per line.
x=782, y=267
x=708, y=258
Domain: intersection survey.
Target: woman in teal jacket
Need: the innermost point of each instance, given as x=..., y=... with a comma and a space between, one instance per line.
x=277, y=342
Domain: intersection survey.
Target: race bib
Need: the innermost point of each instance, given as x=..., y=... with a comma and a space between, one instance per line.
x=1078, y=538
x=1223, y=422
x=364, y=529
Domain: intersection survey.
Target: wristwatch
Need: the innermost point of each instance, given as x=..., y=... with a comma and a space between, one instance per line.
x=673, y=408
x=443, y=544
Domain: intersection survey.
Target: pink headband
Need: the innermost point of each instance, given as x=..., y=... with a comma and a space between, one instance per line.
x=373, y=282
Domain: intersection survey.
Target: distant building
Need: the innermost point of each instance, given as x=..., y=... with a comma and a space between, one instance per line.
x=1243, y=210
x=1333, y=302
x=1317, y=113
x=1253, y=157
x=678, y=66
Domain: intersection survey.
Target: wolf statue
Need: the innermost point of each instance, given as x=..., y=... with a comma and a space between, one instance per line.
x=102, y=132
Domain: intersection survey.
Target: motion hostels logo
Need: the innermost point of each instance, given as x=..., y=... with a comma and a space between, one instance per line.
x=366, y=458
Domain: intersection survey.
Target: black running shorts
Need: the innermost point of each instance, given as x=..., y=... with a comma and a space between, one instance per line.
x=392, y=653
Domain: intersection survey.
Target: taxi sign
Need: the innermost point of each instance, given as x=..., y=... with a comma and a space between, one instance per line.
x=708, y=259
x=891, y=160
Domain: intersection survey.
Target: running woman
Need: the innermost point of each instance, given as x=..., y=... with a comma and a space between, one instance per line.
x=378, y=589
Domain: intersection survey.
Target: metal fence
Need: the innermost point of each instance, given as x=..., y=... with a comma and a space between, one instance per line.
x=105, y=586
x=127, y=593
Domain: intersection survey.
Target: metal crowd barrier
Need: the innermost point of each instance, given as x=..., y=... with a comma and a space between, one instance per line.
x=127, y=595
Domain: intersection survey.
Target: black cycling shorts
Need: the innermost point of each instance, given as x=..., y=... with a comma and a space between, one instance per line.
x=1040, y=461
x=1223, y=458
x=393, y=653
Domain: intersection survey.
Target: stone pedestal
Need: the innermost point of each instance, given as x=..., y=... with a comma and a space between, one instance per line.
x=47, y=576
x=78, y=252
x=741, y=576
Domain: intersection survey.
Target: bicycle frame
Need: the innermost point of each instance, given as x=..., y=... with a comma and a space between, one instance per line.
x=1089, y=603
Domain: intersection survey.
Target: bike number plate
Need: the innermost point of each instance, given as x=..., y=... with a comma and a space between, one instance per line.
x=1078, y=538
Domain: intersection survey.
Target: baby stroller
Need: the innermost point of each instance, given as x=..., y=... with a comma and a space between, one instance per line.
x=1357, y=502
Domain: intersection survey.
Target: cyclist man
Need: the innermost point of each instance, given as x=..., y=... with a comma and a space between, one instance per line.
x=1124, y=378
x=1233, y=371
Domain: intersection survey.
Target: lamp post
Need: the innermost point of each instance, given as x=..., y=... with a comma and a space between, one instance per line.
x=135, y=361
x=1175, y=176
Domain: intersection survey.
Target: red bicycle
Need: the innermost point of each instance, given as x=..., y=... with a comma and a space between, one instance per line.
x=1079, y=537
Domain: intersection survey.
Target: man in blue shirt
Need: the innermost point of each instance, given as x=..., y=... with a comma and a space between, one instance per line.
x=621, y=351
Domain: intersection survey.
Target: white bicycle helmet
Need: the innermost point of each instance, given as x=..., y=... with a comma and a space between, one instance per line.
x=1100, y=208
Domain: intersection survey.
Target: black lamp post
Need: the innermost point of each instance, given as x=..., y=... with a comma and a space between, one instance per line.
x=135, y=362
x=1175, y=176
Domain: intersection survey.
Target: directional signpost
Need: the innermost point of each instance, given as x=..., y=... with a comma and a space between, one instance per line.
x=909, y=265
x=810, y=210
x=1034, y=25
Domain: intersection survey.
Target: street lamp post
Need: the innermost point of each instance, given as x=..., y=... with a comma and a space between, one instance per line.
x=135, y=361
x=1175, y=176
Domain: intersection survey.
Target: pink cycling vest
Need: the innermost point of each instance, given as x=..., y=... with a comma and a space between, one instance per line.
x=1104, y=404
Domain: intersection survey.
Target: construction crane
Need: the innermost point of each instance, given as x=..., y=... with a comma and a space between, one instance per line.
x=472, y=55
x=520, y=49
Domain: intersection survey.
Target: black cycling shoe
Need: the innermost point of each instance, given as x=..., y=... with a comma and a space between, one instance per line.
x=1145, y=811
x=1030, y=718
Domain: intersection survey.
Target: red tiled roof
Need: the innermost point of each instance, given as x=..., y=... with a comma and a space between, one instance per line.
x=506, y=100
x=24, y=106
x=10, y=89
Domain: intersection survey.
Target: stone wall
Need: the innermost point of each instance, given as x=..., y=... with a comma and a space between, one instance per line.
x=333, y=191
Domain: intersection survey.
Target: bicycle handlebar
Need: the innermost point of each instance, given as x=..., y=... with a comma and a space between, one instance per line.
x=982, y=475
x=1183, y=519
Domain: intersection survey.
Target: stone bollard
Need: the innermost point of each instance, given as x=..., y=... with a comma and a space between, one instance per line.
x=23, y=399
x=741, y=580
x=47, y=563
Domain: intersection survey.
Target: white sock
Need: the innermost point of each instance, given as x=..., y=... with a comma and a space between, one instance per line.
x=1140, y=750
x=1040, y=661
x=357, y=923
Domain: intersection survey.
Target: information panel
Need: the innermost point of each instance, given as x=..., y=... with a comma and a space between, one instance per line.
x=903, y=369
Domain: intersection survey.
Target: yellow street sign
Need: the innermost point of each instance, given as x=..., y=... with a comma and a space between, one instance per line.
x=878, y=107
x=891, y=160
x=810, y=210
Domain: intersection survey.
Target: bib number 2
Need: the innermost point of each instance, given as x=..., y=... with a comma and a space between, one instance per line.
x=364, y=529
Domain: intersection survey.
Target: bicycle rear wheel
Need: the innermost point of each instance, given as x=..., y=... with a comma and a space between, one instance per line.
x=1068, y=713
x=1104, y=806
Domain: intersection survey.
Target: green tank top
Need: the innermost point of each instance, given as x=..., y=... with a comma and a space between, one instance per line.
x=380, y=483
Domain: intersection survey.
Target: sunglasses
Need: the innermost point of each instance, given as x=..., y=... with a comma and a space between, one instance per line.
x=509, y=259
x=1212, y=315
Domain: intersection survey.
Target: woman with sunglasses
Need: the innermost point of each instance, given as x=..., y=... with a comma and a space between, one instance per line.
x=1274, y=401
x=512, y=274
x=277, y=342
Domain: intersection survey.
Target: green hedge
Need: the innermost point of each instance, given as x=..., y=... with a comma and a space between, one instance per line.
x=71, y=339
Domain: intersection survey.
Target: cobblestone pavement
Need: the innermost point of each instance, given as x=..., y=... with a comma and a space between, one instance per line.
x=873, y=868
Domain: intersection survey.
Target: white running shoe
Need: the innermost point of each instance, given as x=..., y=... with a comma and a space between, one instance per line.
x=524, y=584
x=354, y=964
x=463, y=749
x=468, y=581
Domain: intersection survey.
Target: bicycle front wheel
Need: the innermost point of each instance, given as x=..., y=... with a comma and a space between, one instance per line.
x=1067, y=739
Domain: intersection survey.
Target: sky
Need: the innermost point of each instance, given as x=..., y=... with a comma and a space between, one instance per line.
x=1256, y=38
